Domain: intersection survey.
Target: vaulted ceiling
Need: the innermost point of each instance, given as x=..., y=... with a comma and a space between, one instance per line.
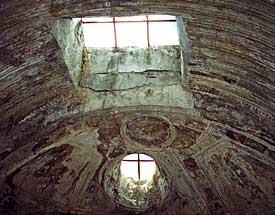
x=218, y=153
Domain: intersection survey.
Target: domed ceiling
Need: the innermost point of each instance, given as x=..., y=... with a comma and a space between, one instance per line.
x=212, y=134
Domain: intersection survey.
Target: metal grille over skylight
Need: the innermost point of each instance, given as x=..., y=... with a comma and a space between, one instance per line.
x=141, y=31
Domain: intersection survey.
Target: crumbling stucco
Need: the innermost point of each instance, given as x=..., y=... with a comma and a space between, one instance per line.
x=52, y=149
x=70, y=38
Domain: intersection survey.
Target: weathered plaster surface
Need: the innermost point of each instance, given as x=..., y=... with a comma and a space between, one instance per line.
x=222, y=158
x=134, y=59
x=170, y=95
x=134, y=76
x=70, y=38
x=209, y=173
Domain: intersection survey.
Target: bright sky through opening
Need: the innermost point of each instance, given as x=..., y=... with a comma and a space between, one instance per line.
x=102, y=34
x=129, y=169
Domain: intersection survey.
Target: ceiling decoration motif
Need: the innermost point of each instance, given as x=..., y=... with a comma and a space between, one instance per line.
x=195, y=156
x=212, y=134
x=149, y=130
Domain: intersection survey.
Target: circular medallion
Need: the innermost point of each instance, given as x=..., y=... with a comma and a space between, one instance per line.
x=149, y=130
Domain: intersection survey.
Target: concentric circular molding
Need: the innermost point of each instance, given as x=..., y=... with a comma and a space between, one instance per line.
x=152, y=131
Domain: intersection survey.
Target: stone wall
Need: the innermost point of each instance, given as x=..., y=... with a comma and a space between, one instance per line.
x=70, y=38
x=117, y=77
x=127, y=68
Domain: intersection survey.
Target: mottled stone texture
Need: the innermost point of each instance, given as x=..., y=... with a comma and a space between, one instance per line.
x=134, y=59
x=118, y=77
x=70, y=38
x=222, y=160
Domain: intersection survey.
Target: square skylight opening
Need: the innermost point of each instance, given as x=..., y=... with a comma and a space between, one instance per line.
x=139, y=31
